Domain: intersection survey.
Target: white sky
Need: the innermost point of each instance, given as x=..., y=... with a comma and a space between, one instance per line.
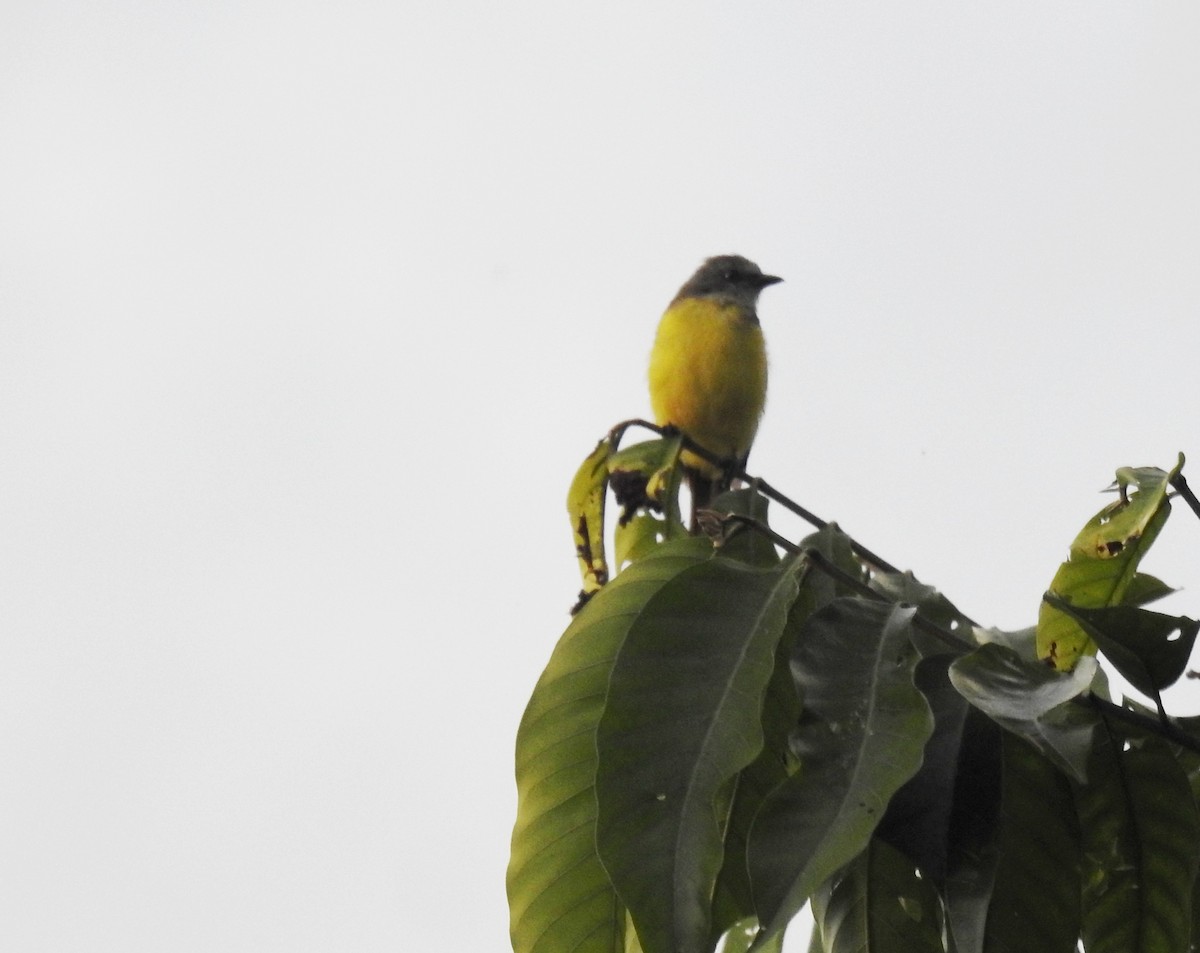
x=309, y=311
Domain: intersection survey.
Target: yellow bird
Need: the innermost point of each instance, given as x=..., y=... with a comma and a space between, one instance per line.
x=708, y=368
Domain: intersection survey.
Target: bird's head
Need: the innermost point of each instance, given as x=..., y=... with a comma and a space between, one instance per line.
x=728, y=276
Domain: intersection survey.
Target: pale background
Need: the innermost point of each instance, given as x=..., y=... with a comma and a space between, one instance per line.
x=308, y=312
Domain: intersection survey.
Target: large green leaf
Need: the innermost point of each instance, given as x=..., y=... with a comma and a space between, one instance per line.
x=683, y=717
x=1141, y=838
x=879, y=904
x=1103, y=562
x=734, y=900
x=917, y=821
x=560, y=898
x=781, y=711
x=861, y=737
x=972, y=844
x=1034, y=902
x=1029, y=700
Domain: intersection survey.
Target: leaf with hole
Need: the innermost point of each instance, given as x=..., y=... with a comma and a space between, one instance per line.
x=1103, y=562
x=1149, y=648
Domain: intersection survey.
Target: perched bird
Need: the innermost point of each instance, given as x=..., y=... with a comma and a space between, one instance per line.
x=708, y=369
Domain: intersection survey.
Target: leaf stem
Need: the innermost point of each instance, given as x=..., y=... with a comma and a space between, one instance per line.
x=1158, y=726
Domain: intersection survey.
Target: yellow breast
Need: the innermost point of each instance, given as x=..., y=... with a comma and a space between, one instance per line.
x=708, y=376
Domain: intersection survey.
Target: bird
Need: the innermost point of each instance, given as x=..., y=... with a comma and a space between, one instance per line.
x=708, y=370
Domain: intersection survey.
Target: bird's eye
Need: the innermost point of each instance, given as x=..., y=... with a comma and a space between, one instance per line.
x=730, y=276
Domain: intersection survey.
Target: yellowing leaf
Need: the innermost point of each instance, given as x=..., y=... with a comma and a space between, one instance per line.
x=585, y=505
x=1103, y=561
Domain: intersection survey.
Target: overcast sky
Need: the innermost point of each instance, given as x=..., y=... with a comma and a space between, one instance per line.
x=309, y=311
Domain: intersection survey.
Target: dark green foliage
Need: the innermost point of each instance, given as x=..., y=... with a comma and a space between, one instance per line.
x=723, y=735
x=879, y=902
x=1030, y=700
x=1141, y=845
x=917, y=821
x=1034, y=903
x=859, y=738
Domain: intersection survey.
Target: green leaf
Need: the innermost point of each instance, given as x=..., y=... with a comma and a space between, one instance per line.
x=637, y=537
x=742, y=541
x=734, y=899
x=972, y=849
x=741, y=936
x=931, y=605
x=1029, y=700
x=1141, y=848
x=918, y=817
x=1103, y=562
x=733, y=537
x=879, y=904
x=559, y=895
x=1195, y=943
x=1021, y=641
x=1144, y=589
x=781, y=711
x=861, y=737
x=1149, y=648
x=682, y=718
x=1034, y=903
x=646, y=483
x=1189, y=763
x=648, y=474
x=820, y=588
x=585, y=506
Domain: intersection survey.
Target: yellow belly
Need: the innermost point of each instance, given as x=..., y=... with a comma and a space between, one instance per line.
x=708, y=377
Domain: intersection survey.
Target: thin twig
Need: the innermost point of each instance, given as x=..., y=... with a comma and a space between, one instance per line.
x=877, y=562
x=1151, y=724
x=760, y=527
x=1180, y=483
x=861, y=551
x=945, y=636
x=767, y=490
